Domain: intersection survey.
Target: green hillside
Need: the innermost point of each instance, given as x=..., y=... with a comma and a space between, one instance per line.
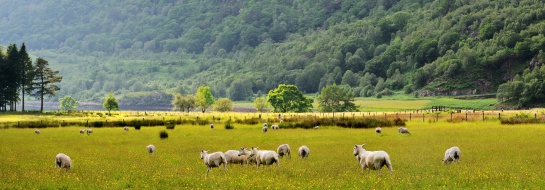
x=144, y=51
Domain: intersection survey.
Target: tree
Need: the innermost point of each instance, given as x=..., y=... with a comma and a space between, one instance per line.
x=204, y=98
x=335, y=98
x=44, y=81
x=110, y=103
x=68, y=103
x=260, y=104
x=223, y=105
x=27, y=74
x=287, y=98
x=183, y=102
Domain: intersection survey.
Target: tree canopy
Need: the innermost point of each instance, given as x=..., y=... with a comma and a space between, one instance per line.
x=204, y=98
x=335, y=98
x=110, y=103
x=68, y=103
x=288, y=98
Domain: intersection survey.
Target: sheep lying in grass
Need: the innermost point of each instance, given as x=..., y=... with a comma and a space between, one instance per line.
x=234, y=157
x=303, y=152
x=82, y=131
x=126, y=128
x=37, y=131
x=403, y=130
x=63, y=161
x=452, y=154
x=374, y=160
x=284, y=149
x=150, y=148
x=316, y=127
x=213, y=160
x=265, y=157
x=89, y=131
x=378, y=130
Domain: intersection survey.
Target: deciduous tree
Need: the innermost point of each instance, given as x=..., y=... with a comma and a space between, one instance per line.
x=68, y=103
x=335, y=98
x=288, y=98
x=204, y=98
x=110, y=103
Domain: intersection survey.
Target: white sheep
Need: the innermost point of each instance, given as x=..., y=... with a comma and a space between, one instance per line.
x=212, y=126
x=265, y=125
x=150, y=148
x=249, y=159
x=264, y=129
x=126, y=128
x=403, y=130
x=213, y=160
x=303, y=152
x=374, y=160
x=378, y=130
x=274, y=127
x=37, y=131
x=89, y=131
x=235, y=157
x=265, y=157
x=452, y=154
x=316, y=127
x=82, y=131
x=63, y=161
x=284, y=149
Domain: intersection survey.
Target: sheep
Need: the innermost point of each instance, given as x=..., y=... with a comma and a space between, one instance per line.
x=89, y=131
x=452, y=155
x=249, y=159
x=150, y=148
x=378, y=130
x=284, y=149
x=211, y=126
x=63, y=161
x=274, y=127
x=265, y=125
x=126, y=128
x=403, y=130
x=303, y=152
x=213, y=160
x=235, y=157
x=82, y=131
x=264, y=129
x=316, y=127
x=374, y=160
x=265, y=157
x=37, y=131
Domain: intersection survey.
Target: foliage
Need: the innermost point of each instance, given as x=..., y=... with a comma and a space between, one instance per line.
x=288, y=98
x=525, y=90
x=68, y=103
x=170, y=125
x=110, y=103
x=183, y=102
x=223, y=105
x=163, y=134
x=228, y=125
x=335, y=98
x=44, y=81
x=204, y=98
x=260, y=103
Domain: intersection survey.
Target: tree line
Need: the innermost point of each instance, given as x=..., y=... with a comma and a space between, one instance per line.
x=20, y=77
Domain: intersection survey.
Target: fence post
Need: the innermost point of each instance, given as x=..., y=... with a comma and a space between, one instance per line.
x=499, y=116
x=483, y=115
x=436, y=117
x=410, y=116
x=450, y=116
x=422, y=117
x=466, y=116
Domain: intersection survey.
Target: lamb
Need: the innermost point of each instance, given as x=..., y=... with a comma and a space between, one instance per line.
x=37, y=131
x=82, y=131
x=303, y=152
x=452, y=155
x=150, y=148
x=265, y=157
x=374, y=160
x=89, y=131
x=235, y=157
x=213, y=160
x=378, y=130
x=284, y=149
x=126, y=128
x=403, y=130
x=249, y=159
x=212, y=126
x=63, y=161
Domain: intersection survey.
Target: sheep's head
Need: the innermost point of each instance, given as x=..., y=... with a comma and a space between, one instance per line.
x=253, y=151
x=242, y=151
x=203, y=153
x=358, y=148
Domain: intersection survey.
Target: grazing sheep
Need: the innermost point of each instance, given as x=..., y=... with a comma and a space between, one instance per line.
x=303, y=152
x=126, y=128
x=265, y=125
x=235, y=157
x=265, y=157
x=150, y=148
x=212, y=126
x=249, y=159
x=213, y=160
x=264, y=129
x=452, y=154
x=378, y=130
x=82, y=131
x=89, y=131
x=274, y=127
x=403, y=130
x=37, y=131
x=63, y=161
x=374, y=160
x=284, y=149
x=316, y=127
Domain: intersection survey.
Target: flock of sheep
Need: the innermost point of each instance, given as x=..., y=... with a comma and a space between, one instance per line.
x=373, y=160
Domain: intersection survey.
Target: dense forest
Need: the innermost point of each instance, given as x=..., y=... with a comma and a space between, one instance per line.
x=146, y=50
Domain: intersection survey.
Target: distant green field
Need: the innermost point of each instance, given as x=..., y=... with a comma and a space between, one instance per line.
x=494, y=156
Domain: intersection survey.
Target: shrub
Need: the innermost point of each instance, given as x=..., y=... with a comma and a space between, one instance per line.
x=170, y=126
x=163, y=134
x=137, y=125
x=228, y=125
x=98, y=124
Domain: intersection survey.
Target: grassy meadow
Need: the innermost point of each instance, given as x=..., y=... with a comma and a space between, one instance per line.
x=494, y=156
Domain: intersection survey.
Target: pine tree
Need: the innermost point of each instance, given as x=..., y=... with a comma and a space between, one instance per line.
x=44, y=81
x=27, y=74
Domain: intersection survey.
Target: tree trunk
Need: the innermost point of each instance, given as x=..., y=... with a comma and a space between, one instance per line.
x=42, y=96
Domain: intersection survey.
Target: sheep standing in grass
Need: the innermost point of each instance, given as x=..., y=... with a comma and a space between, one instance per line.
x=378, y=130
x=264, y=129
x=265, y=157
x=265, y=125
x=374, y=160
x=81, y=131
x=126, y=128
x=284, y=149
x=274, y=127
x=89, y=131
x=403, y=130
x=213, y=160
x=452, y=154
x=249, y=159
x=63, y=161
x=234, y=157
x=303, y=152
x=150, y=148
x=212, y=126
x=37, y=131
